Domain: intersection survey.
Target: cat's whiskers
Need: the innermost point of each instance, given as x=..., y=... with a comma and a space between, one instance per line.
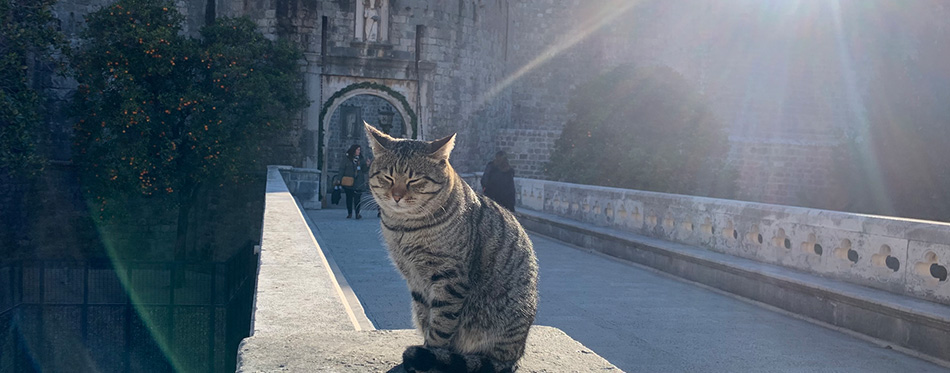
x=368, y=202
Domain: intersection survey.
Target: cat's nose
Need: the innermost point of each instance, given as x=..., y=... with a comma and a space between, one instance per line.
x=398, y=192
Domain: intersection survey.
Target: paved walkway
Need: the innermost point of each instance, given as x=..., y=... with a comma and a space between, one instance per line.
x=637, y=319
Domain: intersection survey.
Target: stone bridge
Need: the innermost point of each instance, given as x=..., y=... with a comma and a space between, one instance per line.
x=630, y=280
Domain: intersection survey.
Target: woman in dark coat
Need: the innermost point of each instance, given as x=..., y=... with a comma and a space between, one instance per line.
x=498, y=181
x=355, y=166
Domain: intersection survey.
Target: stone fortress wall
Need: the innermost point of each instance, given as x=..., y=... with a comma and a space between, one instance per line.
x=782, y=95
x=461, y=43
x=783, y=76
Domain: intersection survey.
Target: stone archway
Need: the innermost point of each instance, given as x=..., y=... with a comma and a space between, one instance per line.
x=396, y=100
x=345, y=127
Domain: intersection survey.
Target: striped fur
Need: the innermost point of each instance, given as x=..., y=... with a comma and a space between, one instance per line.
x=469, y=265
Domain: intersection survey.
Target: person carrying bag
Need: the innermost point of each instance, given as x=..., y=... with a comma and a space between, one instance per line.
x=353, y=179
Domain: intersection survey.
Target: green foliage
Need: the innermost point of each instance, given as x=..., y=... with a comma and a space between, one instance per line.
x=27, y=36
x=163, y=118
x=643, y=128
x=160, y=113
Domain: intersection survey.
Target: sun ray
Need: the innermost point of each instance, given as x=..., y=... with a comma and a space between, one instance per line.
x=865, y=153
x=607, y=13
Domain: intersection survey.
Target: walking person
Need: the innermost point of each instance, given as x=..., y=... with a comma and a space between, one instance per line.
x=498, y=181
x=354, y=179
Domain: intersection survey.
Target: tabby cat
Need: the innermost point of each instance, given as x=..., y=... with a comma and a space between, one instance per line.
x=469, y=265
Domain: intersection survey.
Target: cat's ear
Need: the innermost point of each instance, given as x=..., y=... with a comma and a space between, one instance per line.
x=378, y=141
x=441, y=148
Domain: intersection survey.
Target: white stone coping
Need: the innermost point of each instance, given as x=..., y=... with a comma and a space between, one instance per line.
x=304, y=184
x=296, y=290
x=304, y=319
x=790, y=236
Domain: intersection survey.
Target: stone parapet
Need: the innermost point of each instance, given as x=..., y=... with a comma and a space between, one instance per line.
x=548, y=350
x=903, y=256
x=913, y=326
x=303, y=184
x=306, y=319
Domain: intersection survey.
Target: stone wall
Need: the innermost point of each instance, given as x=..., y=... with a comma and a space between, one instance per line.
x=793, y=82
x=466, y=40
x=514, y=65
x=556, y=45
x=462, y=45
x=528, y=150
x=800, y=173
x=903, y=256
x=303, y=184
x=793, y=77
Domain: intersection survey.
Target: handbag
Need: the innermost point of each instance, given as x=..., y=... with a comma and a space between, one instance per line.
x=346, y=181
x=335, y=196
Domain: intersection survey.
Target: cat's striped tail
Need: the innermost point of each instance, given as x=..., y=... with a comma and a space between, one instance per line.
x=433, y=359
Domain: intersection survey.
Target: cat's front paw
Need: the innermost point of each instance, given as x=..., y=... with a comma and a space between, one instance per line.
x=418, y=359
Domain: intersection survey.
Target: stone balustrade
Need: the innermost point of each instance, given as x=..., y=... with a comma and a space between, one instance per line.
x=306, y=319
x=304, y=185
x=903, y=256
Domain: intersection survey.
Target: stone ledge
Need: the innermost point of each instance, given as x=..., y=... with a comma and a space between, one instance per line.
x=916, y=325
x=548, y=350
x=303, y=320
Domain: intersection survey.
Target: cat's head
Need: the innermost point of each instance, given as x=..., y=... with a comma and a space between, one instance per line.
x=409, y=176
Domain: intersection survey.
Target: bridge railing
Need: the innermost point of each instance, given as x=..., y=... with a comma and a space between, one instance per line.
x=304, y=185
x=903, y=256
x=304, y=320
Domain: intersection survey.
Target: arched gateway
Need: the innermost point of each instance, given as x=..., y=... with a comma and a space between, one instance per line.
x=400, y=95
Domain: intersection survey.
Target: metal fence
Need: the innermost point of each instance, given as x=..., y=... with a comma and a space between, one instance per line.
x=124, y=316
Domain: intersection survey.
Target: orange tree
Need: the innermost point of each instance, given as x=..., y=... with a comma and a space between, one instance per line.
x=643, y=128
x=160, y=114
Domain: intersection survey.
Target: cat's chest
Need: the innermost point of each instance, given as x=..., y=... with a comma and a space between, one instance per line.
x=413, y=247
x=434, y=237
x=418, y=257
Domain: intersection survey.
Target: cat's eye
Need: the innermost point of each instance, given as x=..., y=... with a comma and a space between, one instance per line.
x=416, y=181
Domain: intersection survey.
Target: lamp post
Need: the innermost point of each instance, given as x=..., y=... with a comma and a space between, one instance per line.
x=386, y=120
